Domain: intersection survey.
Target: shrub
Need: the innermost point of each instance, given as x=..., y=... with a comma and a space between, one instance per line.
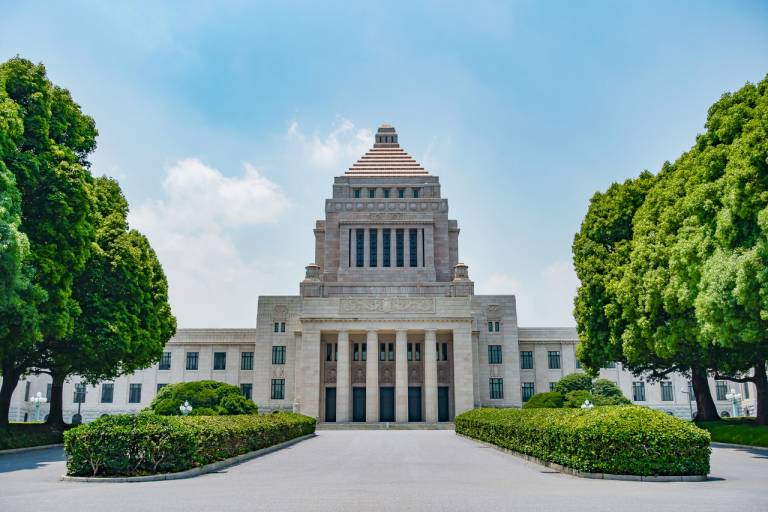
x=207, y=398
x=146, y=443
x=550, y=400
x=624, y=440
x=574, y=382
x=24, y=435
x=575, y=399
x=606, y=392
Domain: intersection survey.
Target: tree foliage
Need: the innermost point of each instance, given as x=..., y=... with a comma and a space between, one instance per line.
x=207, y=398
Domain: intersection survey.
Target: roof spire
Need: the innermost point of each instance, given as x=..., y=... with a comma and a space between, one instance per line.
x=386, y=137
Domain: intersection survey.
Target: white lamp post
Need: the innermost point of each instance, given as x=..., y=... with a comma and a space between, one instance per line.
x=37, y=400
x=587, y=405
x=735, y=398
x=185, y=408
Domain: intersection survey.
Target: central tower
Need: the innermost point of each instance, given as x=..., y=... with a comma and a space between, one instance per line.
x=386, y=231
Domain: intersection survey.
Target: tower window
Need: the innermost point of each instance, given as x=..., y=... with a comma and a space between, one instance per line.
x=373, y=239
x=359, y=247
x=356, y=192
x=401, y=193
x=416, y=193
x=386, y=235
x=371, y=193
x=399, y=242
x=386, y=193
x=413, y=248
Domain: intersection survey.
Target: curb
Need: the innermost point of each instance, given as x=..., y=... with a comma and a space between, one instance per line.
x=593, y=476
x=385, y=426
x=761, y=449
x=189, y=473
x=30, y=448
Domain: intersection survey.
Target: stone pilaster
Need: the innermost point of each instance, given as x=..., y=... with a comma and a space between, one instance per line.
x=401, y=377
x=430, y=376
x=343, y=378
x=462, y=368
x=309, y=399
x=372, y=378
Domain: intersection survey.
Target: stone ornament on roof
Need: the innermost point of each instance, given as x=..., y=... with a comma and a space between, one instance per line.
x=386, y=158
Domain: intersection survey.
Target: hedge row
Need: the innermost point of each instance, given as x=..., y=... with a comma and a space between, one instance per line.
x=623, y=440
x=25, y=435
x=128, y=445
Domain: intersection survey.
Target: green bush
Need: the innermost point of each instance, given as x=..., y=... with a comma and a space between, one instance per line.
x=550, y=400
x=207, y=398
x=24, y=435
x=615, y=440
x=575, y=399
x=574, y=382
x=129, y=445
x=607, y=389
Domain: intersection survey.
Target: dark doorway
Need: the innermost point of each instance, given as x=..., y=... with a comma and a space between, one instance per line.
x=358, y=404
x=442, y=404
x=414, y=404
x=330, y=404
x=386, y=404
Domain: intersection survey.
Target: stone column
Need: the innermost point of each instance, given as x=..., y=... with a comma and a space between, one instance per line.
x=372, y=378
x=419, y=247
x=401, y=377
x=366, y=248
x=430, y=376
x=342, y=378
x=309, y=397
x=406, y=247
x=393, y=246
x=380, y=246
x=462, y=368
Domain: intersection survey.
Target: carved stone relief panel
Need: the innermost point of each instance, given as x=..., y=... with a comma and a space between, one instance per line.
x=330, y=375
x=387, y=305
x=387, y=374
x=278, y=371
x=280, y=313
x=358, y=374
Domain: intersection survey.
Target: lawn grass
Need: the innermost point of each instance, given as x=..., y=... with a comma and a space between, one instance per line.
x=24, y=435
x=737, y=431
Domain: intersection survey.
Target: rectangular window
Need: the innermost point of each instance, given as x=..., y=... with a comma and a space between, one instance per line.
x=277, y=326
x=413, y=247
x=247, y=390
x=418, y=351
x=401, y=193
x=382, y=352
x=666, y=391
x=278, y=389
x=553, y=357
x=552, y=386
x=526, y=360
x=416, y=192
x=219, y=360
x=496, y=388
x=445, y=351
x=490, y=326
x=527, y=391
x=107, y=392
x=359, y=247
x=391, y=351
x=386, y=193
x=373, y=241
x=386, y=246
x=356, y=193
x=329, y=351
x=79, y=395
x=365, y=351
x=134, y=393
x=165, y=361
x=721, y=387
x=409, y=355
x=27, y=390
x=282, y=326
x=745, y=393
x=399, y=247
x=497, y=326
x=192, y=360
x=371, y=193
x=356, y=352
x=246, y=360
x=638, y=391
x=278, y=354
x=494, y=354
x=578, y=364
x=159, y=387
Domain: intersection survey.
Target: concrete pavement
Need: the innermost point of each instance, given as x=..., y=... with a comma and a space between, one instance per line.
x=384, y=470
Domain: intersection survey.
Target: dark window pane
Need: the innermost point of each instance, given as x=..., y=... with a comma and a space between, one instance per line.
x=386, y=247
x=527, y=391
x=496, y=388
x=359, y=247
x=219, y=360
x=554, y=359
x=134, y=393
x=494, y=354
x=526, y=360
x=278, y=389
x=413, y=248
x=246, y=360
x=278, y=354
x=247, y=390
x=165, y=361
x=192, y=360
x=107, y=392
x=373, y=240
x=399, y=247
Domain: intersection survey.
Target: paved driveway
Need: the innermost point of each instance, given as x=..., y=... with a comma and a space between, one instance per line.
x=384, y=470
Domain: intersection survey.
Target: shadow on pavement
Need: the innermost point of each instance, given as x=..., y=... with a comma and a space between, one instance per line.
x=30, y=460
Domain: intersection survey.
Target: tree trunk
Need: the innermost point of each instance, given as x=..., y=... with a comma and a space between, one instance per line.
x=56, y=415
x=705, y=406
x=11, y=378
x=761, y=384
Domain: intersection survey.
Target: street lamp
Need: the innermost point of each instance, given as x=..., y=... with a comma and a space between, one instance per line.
x=37, y=400
x=735, y=398
x=587, y=405
x=688, y=394
x=185, y=408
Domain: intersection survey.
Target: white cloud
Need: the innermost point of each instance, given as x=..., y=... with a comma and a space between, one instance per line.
x=343, y=145
x=543, y=299
x=211, y=283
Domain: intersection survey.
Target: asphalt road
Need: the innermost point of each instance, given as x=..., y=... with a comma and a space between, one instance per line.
x=384, y=470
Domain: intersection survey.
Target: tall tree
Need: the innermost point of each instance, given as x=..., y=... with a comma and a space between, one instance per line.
x=49, y=162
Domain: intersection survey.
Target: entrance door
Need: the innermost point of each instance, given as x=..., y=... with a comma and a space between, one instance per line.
x=330, y=404
x=358, y=404
x=386, y=404
x=442, y=404
x=414, y=404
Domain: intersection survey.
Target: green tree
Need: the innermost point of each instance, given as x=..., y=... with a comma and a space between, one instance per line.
x=207, y=397
x=574, y=382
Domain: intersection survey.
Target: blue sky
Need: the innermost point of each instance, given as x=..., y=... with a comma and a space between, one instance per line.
x=226, y=124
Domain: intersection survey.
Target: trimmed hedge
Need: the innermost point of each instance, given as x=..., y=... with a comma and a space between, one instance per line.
x=25, y=435
x=207, y=398
x=621, y=440
x=130, y=445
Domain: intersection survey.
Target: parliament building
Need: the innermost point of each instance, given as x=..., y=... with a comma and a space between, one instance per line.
x=386, y=327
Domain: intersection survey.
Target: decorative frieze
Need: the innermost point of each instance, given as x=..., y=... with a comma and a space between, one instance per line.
x=400, y=305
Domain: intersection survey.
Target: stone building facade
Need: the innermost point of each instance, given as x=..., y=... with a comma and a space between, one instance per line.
x=386, y=327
